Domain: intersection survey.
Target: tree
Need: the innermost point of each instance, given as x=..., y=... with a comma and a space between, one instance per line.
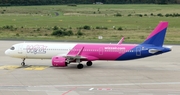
x=55, y=2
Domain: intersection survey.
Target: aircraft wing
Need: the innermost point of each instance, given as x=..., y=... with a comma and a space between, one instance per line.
x=79, y=56
x=121, y=41
x=74, y=56
x=85, y=57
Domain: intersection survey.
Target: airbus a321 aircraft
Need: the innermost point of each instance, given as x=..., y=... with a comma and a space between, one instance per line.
x=63, y=54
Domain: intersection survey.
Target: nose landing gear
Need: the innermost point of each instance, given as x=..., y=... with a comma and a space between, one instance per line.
x=23, y=63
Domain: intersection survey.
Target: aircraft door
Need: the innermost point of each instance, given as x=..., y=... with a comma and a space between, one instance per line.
x=138, y=51
x=100, y=51
x=20, y=50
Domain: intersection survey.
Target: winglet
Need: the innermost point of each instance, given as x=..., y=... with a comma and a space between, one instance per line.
x=79, y=53
x=157, y=36
x=120, y=41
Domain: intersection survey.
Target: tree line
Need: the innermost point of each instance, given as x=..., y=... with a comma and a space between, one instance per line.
x=58, y=2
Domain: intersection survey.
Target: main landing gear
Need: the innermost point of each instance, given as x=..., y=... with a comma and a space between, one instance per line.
x=23, y=63
x=89, y=63
x=80, y=66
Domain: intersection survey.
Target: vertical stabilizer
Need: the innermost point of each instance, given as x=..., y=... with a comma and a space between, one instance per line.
x=157, y=35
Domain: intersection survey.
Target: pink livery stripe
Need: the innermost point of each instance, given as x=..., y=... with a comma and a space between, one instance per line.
x=101, y=51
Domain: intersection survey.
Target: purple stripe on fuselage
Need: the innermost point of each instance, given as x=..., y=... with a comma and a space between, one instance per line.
x=102, y=51
x=157, y=40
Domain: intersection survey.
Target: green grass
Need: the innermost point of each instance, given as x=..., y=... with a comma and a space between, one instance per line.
x=135, y=28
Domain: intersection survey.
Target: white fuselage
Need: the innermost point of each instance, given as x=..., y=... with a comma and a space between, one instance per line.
x=39, y=50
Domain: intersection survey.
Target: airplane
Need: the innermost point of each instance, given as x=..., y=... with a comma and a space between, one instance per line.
x=63, y=54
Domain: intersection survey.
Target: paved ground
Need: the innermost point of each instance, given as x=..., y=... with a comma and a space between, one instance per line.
x=157, y=75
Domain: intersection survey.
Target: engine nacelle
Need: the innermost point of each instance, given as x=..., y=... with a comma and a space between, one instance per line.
x=59, y=61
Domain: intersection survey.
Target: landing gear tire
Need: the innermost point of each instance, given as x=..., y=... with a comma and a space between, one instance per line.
x=66, y=63
x=89, y=63
x=23, y=63
x=80, y=66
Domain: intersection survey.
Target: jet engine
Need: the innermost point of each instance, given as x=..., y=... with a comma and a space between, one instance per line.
x=59, y=61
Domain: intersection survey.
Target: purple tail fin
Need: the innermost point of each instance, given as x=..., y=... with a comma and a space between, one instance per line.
x=157, y=35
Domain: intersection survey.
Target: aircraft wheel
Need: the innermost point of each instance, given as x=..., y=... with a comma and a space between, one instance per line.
x=23, y=63
x=89, y=63
x=66, y=63
x=80, y=66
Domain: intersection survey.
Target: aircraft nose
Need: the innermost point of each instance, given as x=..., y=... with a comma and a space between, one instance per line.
x=6, y=52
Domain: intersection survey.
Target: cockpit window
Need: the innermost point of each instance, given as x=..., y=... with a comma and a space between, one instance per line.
x=12, y=48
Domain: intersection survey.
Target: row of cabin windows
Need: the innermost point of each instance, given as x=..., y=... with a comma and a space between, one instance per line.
x=95, y=50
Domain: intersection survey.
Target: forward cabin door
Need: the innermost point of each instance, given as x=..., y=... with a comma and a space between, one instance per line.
x=20, y=51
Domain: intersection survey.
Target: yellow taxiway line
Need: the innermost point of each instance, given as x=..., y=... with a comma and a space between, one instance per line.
x=12, y=67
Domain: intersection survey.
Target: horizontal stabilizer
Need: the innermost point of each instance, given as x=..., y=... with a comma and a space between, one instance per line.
x=167, y=46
